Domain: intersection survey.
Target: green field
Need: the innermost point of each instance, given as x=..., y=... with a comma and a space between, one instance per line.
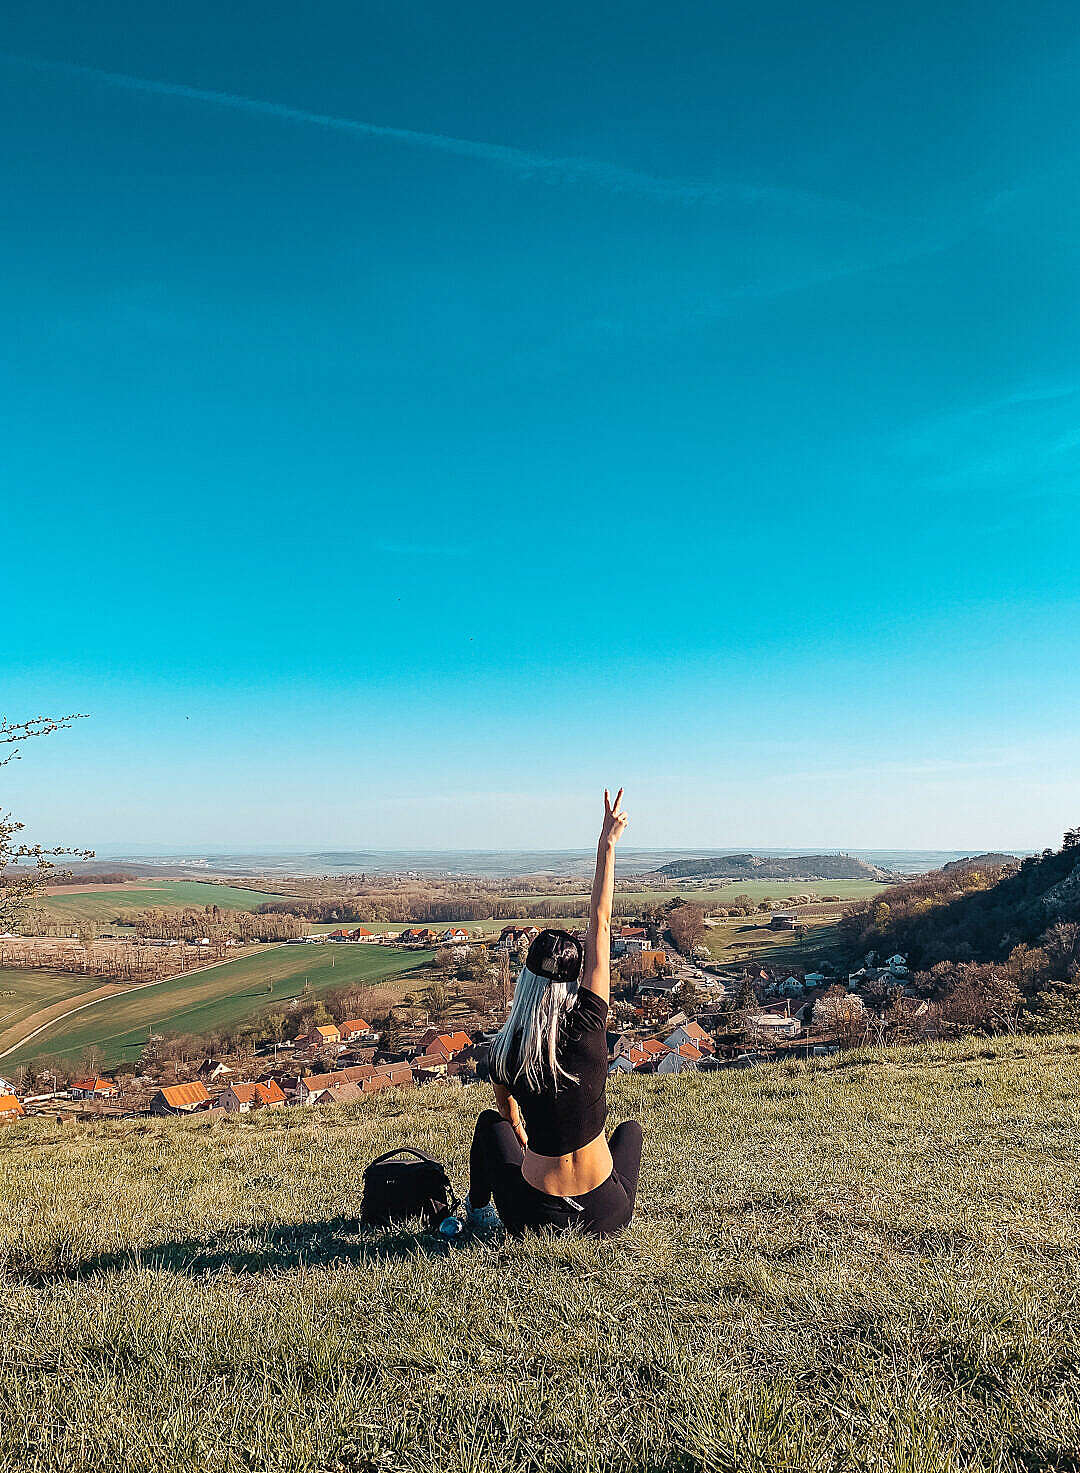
x=35, y=990
x=879, y=1276
x=723, y=895
x=758, y=890
x=102, y=905
x=749, y=938
x=218, y=997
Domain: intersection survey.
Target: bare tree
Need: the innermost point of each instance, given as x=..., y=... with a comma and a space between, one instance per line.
x=687, y=926
x=33, y=863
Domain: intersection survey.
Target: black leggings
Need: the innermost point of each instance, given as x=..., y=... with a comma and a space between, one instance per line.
x=495, y=1171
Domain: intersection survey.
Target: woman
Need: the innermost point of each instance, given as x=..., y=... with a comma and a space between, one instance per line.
x=544, y=1155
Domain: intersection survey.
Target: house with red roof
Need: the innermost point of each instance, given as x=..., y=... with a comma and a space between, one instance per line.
x=355, y=1028
x=692, y=1033
x=93, y=1088
x=321, y=1036
x=180, y=1099
x=312, y=1085
x=10, y=1108
x=240, y=1097
x=680, y=1061
x=383, y=1076
x=444, y=1046
x=628, y=1060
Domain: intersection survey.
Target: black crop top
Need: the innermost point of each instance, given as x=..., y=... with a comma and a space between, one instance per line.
x=561, y=1120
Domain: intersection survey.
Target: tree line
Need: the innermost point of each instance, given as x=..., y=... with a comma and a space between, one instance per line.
x=193, y=922
x=421, y=909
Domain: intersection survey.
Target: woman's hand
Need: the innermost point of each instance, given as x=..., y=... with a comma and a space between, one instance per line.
x=615, y=820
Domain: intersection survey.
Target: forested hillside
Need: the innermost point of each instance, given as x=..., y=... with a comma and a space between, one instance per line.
x=1010, y=929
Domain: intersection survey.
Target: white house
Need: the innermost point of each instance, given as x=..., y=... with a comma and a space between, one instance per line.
x=678, y=1063
x=775, y=1025
x=691, y=1033
x=212, y=1070
x=897, y=964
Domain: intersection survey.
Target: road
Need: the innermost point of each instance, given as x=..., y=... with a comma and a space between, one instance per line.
x=100, y=995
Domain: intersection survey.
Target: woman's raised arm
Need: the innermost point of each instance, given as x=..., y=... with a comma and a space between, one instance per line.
x=597, y=974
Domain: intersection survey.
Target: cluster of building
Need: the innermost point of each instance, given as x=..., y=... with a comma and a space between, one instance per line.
x=413, y=936
x=338, y=1062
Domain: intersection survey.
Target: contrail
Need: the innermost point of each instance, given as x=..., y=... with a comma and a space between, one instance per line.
x=520, y=160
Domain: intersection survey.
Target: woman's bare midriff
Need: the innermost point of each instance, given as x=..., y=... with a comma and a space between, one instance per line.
x=571, y=1175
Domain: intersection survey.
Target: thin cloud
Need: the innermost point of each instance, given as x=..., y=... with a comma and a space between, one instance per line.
x=520, y=161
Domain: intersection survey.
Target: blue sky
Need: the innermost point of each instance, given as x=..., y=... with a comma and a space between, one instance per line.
x=414, y=417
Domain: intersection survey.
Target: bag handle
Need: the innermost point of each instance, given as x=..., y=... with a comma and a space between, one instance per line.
x=402, y=1151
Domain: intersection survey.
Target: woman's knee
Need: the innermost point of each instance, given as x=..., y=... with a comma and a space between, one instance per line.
x=628, y=1135
x=486, y=1123
x=625, y=1146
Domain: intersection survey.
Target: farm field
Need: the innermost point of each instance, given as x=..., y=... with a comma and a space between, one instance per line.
x=34, y=990
x=100, y=905
x=749, y=938
x=758, y=890
x=879, y=1277
x=218, y=997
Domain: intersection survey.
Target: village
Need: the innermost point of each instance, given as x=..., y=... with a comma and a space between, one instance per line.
x=670, y=1014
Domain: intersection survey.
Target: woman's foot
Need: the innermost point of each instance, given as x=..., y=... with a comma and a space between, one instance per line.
x=481, y=1219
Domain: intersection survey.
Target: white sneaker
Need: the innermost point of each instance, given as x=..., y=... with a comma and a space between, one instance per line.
x=483, y=1218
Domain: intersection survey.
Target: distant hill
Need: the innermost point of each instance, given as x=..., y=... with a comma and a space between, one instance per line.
x=981, y=861
x=754, y=867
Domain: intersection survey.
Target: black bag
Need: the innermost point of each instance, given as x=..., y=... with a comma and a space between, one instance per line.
x=395, y=1190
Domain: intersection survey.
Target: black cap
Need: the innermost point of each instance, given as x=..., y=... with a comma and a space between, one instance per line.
x=557, y=956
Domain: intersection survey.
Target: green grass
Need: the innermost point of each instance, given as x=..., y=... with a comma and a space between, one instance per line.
x=34, y=990
x=880, y=1273
x=750, y=938
x=102, y=905
x=218, y=997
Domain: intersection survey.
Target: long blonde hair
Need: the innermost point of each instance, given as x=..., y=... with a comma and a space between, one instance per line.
x=526, y=1043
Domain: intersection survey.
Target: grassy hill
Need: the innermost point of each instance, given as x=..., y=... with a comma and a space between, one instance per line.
x=867, y=1263
x=218, y=997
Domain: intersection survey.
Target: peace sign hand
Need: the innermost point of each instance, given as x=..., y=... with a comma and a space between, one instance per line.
x=615, y=820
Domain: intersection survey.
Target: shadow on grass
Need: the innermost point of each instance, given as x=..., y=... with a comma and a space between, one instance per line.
x=273, y=1248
